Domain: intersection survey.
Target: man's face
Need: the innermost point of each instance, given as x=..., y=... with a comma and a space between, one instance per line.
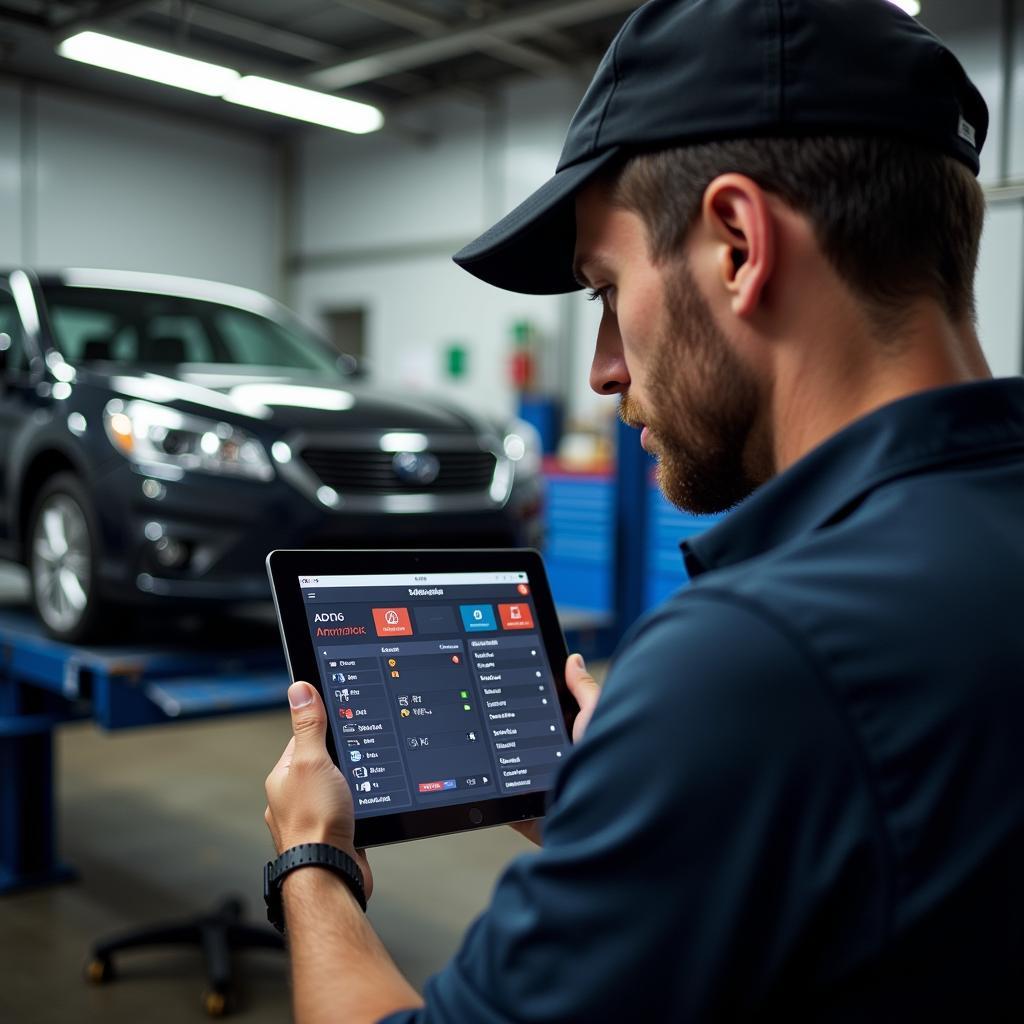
x=680, y=378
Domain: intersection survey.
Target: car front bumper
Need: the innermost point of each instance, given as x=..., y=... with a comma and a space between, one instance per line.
x=228, y=526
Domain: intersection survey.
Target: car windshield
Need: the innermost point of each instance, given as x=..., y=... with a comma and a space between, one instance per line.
x=140, y=329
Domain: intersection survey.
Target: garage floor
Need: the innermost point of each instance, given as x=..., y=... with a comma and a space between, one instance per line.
x=163, y=822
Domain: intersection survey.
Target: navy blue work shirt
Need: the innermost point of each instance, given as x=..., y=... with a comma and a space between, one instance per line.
x=801, y=796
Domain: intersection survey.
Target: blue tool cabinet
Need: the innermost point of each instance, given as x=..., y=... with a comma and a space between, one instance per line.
x=612, y=546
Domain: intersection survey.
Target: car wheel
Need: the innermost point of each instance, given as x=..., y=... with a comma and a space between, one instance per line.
x=62, y=560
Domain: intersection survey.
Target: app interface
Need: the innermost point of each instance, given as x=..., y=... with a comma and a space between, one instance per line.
x=438, y=687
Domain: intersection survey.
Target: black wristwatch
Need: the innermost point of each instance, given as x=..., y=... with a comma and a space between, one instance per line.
x=306, y=855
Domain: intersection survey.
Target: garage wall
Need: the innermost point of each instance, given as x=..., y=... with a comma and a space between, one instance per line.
x=10, y=176
x=378, y=217
x=88, y=184
x=1000, y=288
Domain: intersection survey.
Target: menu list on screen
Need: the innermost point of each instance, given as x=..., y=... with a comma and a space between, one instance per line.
x=438, y=687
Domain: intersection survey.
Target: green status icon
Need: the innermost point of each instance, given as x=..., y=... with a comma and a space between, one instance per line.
x=464, y=694
x=466, y=707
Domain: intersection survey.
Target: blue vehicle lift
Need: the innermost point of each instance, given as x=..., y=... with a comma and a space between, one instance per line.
x=44, y=683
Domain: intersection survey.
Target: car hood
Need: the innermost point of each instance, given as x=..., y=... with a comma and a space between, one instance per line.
x=289, y=401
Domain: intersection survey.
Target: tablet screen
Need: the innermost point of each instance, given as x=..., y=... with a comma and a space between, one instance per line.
x=437, y=686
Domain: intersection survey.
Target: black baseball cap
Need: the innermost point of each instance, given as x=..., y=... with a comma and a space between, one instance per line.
x=688, y=71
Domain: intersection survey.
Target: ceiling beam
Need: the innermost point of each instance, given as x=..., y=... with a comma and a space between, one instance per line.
x=530, y=21
x=100, y=12
x=396, y=14
x=21, y=17
x=527, y=57
x=234, y=26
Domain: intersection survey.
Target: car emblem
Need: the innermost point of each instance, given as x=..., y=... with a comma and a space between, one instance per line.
x=416, y=467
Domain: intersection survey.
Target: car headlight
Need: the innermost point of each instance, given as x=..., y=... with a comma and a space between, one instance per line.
x=155, y=435
x=523, y=446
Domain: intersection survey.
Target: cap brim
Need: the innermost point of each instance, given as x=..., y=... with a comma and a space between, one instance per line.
x=531, y=249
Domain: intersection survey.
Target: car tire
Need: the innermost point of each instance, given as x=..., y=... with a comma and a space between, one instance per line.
x=61, y=554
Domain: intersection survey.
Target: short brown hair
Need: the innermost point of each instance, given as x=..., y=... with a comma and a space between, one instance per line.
x=896, y=220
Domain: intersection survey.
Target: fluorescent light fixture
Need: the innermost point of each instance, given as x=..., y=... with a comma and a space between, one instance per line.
x=912, y=7
x=304, y=105
x=146, y=62
x=213, y=80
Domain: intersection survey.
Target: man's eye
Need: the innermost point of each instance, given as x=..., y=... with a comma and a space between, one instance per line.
x=604, y=294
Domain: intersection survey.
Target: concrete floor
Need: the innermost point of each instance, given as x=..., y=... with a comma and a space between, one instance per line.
x=162, y=822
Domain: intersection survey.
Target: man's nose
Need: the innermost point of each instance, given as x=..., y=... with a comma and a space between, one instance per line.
x=608, y=373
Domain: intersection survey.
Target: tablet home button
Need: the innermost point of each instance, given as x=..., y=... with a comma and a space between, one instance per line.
x=475, y=815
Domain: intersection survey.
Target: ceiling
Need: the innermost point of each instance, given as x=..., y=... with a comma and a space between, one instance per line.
x=392, y=53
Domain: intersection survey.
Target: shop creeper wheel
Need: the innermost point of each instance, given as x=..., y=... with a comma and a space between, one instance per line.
x=99, y=971
x=216, y=1004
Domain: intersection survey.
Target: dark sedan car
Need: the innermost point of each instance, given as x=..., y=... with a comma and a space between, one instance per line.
x=159, y=435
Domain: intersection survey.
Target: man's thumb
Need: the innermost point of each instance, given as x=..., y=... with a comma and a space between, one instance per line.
x=309, y=722
x=582, y=684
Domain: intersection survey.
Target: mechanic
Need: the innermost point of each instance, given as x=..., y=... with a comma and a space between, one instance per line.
x=801, y=793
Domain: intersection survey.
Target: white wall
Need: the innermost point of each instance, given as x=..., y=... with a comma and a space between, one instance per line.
x=378, y=218
x=1017, y=91
x=391, y=188
x=1000, y=288
x=10, y=177
x=1000, y=280
x=111, y=186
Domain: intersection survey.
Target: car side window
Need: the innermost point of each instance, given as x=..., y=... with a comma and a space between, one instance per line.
x=12, y=339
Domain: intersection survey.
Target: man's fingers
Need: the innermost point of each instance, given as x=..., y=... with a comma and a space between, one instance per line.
x=309, y=720
x=586, y=691
x=581, y=683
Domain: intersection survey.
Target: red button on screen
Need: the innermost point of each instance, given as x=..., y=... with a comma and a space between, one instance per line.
x=392, y=621
x=515, y=616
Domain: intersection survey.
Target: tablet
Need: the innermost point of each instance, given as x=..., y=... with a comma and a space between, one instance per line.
x=443, y=675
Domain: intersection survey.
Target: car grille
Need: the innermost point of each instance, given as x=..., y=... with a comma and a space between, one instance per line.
x=371, y=472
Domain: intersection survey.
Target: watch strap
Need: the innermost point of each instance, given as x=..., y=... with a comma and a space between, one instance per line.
x=321, y=855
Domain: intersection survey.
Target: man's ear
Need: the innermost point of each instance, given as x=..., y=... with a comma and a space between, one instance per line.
x=740, y=222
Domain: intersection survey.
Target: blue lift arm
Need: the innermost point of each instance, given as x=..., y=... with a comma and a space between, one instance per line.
x=44, y=683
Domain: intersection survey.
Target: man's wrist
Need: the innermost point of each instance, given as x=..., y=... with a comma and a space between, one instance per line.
x=313, y=879
x=303, y=858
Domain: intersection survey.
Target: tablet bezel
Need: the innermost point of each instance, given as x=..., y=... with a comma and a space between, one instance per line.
x=286, y=567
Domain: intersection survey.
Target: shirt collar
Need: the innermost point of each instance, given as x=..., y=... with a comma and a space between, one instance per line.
x=925, y=430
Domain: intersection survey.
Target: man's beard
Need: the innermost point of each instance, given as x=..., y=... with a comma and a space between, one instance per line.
x=703, y=409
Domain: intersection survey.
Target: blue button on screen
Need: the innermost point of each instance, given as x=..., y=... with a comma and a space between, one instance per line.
x=477, y=617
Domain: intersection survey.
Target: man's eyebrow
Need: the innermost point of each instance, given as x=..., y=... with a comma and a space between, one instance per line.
x=592, y=260
x=578, y=272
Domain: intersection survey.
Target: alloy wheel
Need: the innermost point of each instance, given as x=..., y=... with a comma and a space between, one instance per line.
x=61, y=562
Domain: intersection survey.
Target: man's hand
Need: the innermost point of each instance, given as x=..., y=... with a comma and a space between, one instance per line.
x=308, y=799
x=584, y=688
